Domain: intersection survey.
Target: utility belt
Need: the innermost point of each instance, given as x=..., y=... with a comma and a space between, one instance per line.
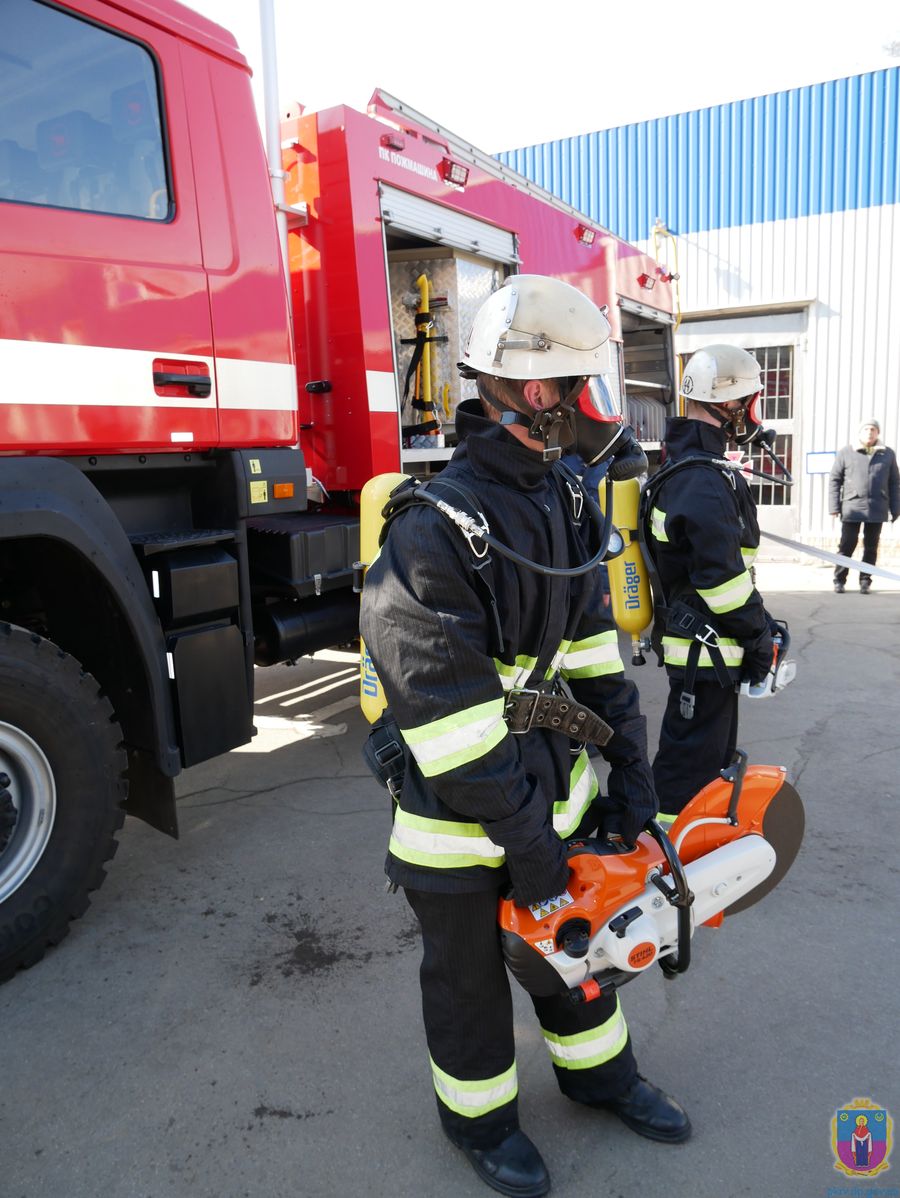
x=526, y=708
x=681, y=620
x=544, y=707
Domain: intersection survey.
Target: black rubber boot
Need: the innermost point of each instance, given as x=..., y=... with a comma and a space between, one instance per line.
x=513, y=1167
x=649, y=1112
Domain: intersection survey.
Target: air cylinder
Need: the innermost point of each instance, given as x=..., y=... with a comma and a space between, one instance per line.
x=372, y=499
x=629, y=584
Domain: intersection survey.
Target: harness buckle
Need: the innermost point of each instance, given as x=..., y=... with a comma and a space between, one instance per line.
x=468, y=526
x=516, y=711
x=577, y=497
x=707, y=635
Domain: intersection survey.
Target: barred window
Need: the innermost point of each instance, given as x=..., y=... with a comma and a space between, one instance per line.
x=776, y=403
x=777, y=366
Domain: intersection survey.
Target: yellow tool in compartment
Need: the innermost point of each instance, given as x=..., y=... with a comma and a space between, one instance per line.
x=423, y=378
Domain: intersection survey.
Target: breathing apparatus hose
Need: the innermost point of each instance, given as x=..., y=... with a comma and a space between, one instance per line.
x=473, y=531
x=764, y=439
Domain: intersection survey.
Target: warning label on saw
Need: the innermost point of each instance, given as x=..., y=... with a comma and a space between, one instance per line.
x=549, y=906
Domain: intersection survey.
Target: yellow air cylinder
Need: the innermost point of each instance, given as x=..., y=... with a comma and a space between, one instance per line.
x=629, y=584
x=373, y=497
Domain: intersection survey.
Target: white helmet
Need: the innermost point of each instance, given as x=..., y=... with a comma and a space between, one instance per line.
x=536, y=327
x=720, y=373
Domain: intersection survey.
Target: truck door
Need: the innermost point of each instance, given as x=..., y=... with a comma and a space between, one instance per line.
x=105, y=330
x=255, y=374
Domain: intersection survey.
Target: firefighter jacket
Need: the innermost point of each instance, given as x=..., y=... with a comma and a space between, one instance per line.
x=704, y=536
x=477, y=799
x=864, y=487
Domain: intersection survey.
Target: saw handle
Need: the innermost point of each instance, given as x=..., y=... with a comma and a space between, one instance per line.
x=678, y=895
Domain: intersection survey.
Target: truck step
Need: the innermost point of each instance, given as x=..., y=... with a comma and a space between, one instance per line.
x=148, y=543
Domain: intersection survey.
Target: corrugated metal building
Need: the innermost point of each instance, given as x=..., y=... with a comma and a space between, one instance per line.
x=781, y=215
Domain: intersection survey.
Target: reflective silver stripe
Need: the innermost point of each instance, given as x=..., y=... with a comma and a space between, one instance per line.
x=729, y=595
x=456, y=739
x=675, y=651
x=583, y=787
x=517, y=674
x=658, y=524
x=749, y=555
x=593, y=657
x=442, y=844
x=588, y=1049
x=558, y=656
x=475, y=1098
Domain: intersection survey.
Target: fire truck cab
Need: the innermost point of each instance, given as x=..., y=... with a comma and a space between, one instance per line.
x=181, y=456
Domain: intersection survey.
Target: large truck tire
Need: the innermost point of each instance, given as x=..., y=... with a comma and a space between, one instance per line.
x=62, y=790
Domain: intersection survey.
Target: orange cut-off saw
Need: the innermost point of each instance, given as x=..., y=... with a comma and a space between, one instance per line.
x=625, y=908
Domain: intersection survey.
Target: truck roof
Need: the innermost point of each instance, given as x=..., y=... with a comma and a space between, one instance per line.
x=184, y=23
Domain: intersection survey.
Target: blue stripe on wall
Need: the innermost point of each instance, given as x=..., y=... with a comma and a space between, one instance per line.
x=812, y=150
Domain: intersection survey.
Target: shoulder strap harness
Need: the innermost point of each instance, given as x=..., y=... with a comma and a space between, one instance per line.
x=674, y=616
x=526, y=707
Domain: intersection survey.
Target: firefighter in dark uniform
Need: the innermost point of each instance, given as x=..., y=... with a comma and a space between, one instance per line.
x=703, y=536
x=486, y=802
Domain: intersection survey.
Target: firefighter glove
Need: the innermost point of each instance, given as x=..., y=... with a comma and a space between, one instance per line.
x=540, y=875
x=630, y=803
x=758, y=657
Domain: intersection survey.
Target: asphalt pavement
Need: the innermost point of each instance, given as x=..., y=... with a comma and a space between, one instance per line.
x=237, y=1015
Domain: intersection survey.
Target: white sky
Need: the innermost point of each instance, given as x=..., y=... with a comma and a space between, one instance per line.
x=504, y=75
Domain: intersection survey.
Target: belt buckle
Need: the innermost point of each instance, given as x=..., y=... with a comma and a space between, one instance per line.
x=516, y=694
x=707, y=636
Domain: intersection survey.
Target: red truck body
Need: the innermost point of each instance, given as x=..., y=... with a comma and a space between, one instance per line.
x=182, y=448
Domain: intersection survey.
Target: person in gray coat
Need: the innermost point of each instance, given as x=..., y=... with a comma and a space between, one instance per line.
x=864, y=489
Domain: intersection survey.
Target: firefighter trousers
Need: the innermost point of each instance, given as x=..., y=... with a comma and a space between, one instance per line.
x=691, y=752
x=468, y=1013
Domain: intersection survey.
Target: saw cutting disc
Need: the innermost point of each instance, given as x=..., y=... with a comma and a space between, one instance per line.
x=783, y=825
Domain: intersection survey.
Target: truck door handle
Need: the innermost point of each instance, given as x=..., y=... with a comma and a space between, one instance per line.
x=199, y=385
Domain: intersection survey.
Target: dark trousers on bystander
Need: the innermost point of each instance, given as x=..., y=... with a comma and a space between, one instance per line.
x=849, y=538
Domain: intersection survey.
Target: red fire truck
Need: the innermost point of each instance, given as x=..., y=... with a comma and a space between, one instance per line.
x=182, y=440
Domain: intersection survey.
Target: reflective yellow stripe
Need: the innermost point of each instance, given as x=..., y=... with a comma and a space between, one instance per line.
x=517, y=674
x=583, y=787
x=592, y=657
x=588, y=1049
x=666, y=821
x=729, y=595
x=558, y=656
x=675, y=652
x=749, y=555
x=456, y=739
x=475, y=1098
x=658, y=524
x=442, y=844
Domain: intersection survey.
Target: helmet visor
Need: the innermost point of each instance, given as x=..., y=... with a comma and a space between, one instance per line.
x=597, y=401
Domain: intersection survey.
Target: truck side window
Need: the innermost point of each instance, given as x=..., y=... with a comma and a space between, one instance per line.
x=80, y=123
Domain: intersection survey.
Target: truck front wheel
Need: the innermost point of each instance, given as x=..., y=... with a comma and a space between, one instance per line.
x=62, y=791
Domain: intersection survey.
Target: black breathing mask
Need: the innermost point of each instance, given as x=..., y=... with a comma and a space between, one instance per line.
x=742, y=425
x=586, y=421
